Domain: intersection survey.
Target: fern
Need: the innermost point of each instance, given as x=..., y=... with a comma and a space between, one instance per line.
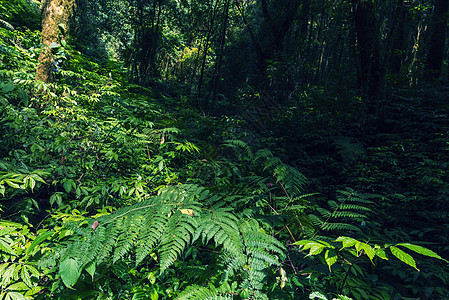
x=221, y=226
x=349, y=149
x=347, y=213
x=168, y=223
x=261, y=252
x=7, y=25
x=293, y=181
x=179, y=231
x=240, y=148
x=196, y=292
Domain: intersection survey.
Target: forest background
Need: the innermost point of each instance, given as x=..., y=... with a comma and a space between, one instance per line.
x=219, y=149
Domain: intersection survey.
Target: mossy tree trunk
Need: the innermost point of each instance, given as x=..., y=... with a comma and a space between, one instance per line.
x=56, y=12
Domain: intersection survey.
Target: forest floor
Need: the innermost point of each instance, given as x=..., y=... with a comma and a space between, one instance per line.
x=405, y=161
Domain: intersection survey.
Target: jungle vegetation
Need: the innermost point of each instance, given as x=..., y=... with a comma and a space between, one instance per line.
x=224, y=149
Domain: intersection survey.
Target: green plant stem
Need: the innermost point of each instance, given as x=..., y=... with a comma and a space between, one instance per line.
x=340, y=290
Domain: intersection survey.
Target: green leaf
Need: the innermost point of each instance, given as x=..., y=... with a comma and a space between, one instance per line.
x=358, y=246
x=25, y=276
x=315, y=250
x=15, y=296
x=347, y=241
x=56, y=197
x=152, y=277
x=244, y=294
x=154, y=295
x=69, y=271
x=381, y=253
x=369, y=251
x=284, y=278
x=18, y=286
x=91, y=268
x=315, y=247
x=318, y=295
x=68, y=184
x=5, y=247
x=161, y=165
x=404, y=257
x=61, y=27
x=8, y=87
x=331, y=258
x=421, y=250
x=30, y=182
x=42, y=237
x=139, y=296
x=7, y=275
x=12, y=184
x=23, y=96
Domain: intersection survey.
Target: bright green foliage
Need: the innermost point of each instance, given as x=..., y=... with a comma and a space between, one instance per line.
x=149, y=196
x=19, y=251
x=23, y=181
x=352, y=250
x=164, y=225
x=19, y=13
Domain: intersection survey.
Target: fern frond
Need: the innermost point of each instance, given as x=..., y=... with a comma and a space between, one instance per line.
x=158, y=221
x=196, y=273
x=339, y=227
x=179, y=231
x=349, y=209
x=242, y=150
x=349, y=214
x=292, y=180
x=196, y=292
x=262, y=252
x=222, y=226
x=168, y=223
x=5, y=24
x=350, y=149
x=150, y=235
x=126, y=240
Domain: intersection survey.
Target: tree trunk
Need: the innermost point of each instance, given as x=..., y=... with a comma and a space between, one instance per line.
x=398, y=38
x=437, y=41
x=219, y=60
x=305, y=13
x=279, y=29
x=262, y=56
x=210, y=31
x=56, y=12
x=372, y=73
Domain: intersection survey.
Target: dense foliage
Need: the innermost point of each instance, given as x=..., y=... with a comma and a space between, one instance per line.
x=223, y=150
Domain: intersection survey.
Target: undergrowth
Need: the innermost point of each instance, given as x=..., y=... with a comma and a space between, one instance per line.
x=111, y=190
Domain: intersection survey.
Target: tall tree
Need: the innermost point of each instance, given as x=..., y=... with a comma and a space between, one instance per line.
x=279, y=24
x=207, y=41
x=54, y=27
x=219, y=59
x=372, y=73
x=398, y=37
x=438, y=38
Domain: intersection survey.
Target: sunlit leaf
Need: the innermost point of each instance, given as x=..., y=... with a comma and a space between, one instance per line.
x=69, y=271
x=421, y=250
x=404, y=257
